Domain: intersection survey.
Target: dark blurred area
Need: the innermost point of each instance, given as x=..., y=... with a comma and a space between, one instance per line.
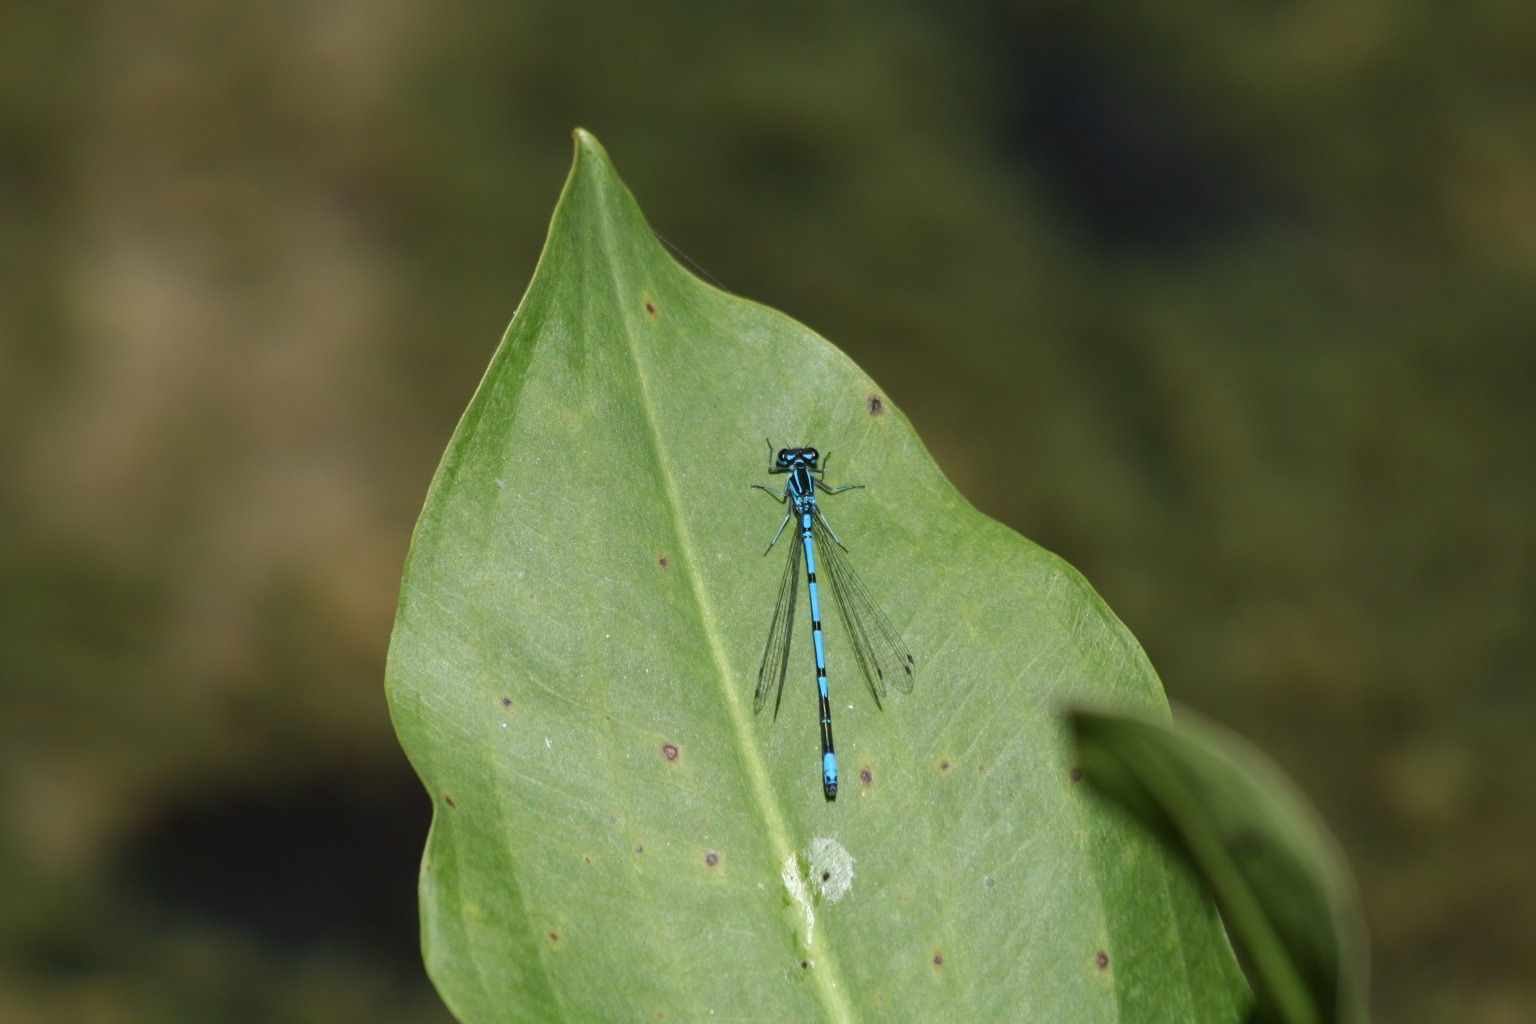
x=1230, y=304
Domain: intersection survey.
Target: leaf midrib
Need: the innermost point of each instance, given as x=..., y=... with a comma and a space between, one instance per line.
x=827, y=982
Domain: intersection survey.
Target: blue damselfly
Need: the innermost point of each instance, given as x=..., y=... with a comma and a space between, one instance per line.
x=877, y=646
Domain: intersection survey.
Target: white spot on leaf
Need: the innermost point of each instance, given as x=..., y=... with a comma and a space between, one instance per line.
x=831, y=868
x=794, y=884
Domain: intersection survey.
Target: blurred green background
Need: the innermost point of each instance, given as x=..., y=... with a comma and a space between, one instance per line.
x=1230, y=304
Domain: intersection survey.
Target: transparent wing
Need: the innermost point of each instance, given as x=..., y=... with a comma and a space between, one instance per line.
x=881, y=654
x=770, y=674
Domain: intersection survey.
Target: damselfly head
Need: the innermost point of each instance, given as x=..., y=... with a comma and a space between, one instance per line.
x=790, y=456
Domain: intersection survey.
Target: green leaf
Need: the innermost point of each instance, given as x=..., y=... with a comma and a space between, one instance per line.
x=1284, y=890
x=616, y=836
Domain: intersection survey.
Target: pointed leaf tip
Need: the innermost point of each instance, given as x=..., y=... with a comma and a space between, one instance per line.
x=584, y=139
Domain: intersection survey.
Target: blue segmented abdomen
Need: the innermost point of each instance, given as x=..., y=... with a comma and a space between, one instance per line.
x=828, y=754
